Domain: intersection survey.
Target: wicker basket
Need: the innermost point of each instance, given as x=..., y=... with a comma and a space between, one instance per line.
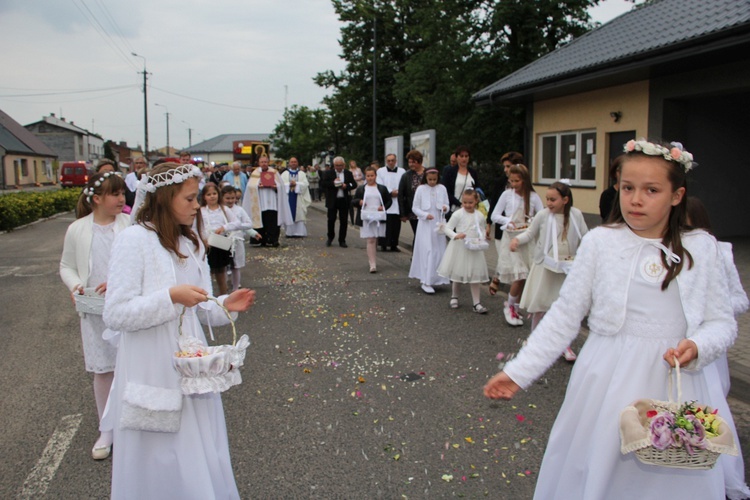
x=635, y=434
x=90, y=302
x=217, y=368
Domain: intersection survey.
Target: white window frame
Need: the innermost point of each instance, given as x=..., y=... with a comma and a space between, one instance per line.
x=575, y=180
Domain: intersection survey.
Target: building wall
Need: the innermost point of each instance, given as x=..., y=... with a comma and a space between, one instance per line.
x=36, y=171
x=591, y=110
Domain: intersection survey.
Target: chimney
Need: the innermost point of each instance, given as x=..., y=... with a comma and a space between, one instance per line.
x=123, y=144
x=52, y=115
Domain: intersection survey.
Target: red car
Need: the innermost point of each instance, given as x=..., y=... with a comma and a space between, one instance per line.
x=74, y=173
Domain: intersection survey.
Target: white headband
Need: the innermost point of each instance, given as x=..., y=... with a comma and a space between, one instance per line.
x=176, y=175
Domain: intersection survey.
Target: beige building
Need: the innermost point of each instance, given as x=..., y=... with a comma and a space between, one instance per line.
x=24, y=159
x=669, y=70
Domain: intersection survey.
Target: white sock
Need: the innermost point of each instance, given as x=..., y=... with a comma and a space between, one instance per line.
x=454, y=288
x=512, y=300
x=474, y=287
x=235, y=278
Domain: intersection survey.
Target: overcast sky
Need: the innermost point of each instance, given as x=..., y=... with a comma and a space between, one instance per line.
x=73, y=58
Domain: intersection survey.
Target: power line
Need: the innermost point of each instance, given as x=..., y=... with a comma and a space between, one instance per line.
x=56, y=101
x=216, y=103
x=102, y=32
x=81, y=91
x=114, y=24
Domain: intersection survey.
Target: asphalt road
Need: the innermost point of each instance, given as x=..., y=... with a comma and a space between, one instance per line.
x=356, y=385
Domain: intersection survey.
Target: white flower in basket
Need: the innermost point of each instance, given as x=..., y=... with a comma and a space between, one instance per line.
x=209, y=368
x=670, y=434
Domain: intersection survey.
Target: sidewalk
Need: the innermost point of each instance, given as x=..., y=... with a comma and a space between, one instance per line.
x=738, y=354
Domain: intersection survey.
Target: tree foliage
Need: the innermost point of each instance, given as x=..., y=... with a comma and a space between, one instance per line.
x=303, y=132
x=431, y=57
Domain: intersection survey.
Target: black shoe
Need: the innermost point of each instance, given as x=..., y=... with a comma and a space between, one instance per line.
x=343, y=244
x=383, y=248
x=275, y=244
x=328, y=243
x=395, y=249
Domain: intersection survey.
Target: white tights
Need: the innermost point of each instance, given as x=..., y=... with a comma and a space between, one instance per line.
x=372, y=251
x=102, y=384
x=474, y=287
x=236, y=278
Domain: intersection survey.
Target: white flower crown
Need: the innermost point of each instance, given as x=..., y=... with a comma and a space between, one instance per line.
x=676, y=153
x=151, y=183
x=89, y=190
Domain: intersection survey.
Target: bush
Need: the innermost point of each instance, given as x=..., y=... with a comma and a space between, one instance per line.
x=17, y=209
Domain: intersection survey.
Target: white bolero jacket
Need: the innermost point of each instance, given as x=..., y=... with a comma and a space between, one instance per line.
x=598, y=286
x=422, y=203
x=538, y=229
x=75, y=263
x=141, y=272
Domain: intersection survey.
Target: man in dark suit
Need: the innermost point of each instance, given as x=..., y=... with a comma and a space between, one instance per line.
x=337, y=185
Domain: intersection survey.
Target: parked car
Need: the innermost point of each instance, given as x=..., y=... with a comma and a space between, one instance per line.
x=74, y=173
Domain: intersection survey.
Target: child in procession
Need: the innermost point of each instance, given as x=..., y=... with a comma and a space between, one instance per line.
x=557, y=230
x=649, y=286
x=460, y=264
x=217, y=219
x=373, y=200
x=430, y=205
x=230, y=196
x=84, y=264
x=158, y=271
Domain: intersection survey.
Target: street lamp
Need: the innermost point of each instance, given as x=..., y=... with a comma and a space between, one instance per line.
x=167, y=114
x=145, y=108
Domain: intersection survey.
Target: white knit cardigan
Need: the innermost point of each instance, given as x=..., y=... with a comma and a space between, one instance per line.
x=141, y=272
x=75, y=263
x=598, y=286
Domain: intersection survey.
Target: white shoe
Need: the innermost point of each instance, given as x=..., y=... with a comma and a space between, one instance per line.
x=569, y=355
x=427, y=289
x=511, y=315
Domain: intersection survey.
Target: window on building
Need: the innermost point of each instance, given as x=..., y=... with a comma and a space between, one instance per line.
x=568, y=155
x=24, y=167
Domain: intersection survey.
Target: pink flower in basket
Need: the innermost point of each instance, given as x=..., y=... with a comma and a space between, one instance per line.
x=661, y=431
x=691, y=438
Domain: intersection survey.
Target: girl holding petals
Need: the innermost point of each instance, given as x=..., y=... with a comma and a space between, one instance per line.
x=649, y=286
x=158, y=272
x=216, y=219
x=84, y=263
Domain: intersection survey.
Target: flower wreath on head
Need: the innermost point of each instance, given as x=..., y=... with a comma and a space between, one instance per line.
x=88, y=191
x=150, y=183
x=676, y=153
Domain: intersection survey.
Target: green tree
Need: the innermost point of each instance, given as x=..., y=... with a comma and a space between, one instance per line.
x=432, y=56
x=303, y=132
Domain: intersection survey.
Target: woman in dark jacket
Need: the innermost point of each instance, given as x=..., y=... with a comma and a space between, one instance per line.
x=460, y=178
x=410, y=181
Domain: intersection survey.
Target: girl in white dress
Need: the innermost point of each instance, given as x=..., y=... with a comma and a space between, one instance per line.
x=84, y=262
x=459, y=263
x=652, y=294
x=558, y=230
x=514, y=211
x=158, y=269
x=216, y=219
x=371, y=197
x=430, y=206
x=230, y=195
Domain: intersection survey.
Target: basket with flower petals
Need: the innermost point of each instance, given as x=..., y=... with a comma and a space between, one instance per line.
x=209, y=368
x=684, y=435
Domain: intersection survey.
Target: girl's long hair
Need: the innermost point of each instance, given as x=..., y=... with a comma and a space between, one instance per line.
x=677, y=222
x=156, y=215
x=565, y=192
x=112, y=184
x=521, y=170
x=211, y=185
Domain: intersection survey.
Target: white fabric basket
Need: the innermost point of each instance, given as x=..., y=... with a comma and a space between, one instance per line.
x=217, y=368
x=90, y=302
x=220, y=241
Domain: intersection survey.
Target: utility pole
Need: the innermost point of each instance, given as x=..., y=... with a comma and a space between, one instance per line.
x=167, y=115
x=374, y=87
x=145, y=108
x=190, y=133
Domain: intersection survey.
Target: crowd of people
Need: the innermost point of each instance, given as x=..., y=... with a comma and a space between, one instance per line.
x=647, y=280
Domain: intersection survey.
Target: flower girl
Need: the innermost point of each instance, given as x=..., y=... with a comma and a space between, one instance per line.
x=230, y=196
x=557, y=230
x=216, y=219
x=650, y=288
x=372, y=200
x=430, y=205
x=158, y=270
x=463, y=261
x=84, y=262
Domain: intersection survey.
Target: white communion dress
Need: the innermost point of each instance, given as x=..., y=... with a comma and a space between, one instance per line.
x=372, y=228
x=459, y=263
x=620, y=365
x=194, y=462
x=429, y=245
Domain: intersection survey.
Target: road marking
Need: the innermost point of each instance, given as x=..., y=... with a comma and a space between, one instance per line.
x=8, y=270
x=38, y=480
